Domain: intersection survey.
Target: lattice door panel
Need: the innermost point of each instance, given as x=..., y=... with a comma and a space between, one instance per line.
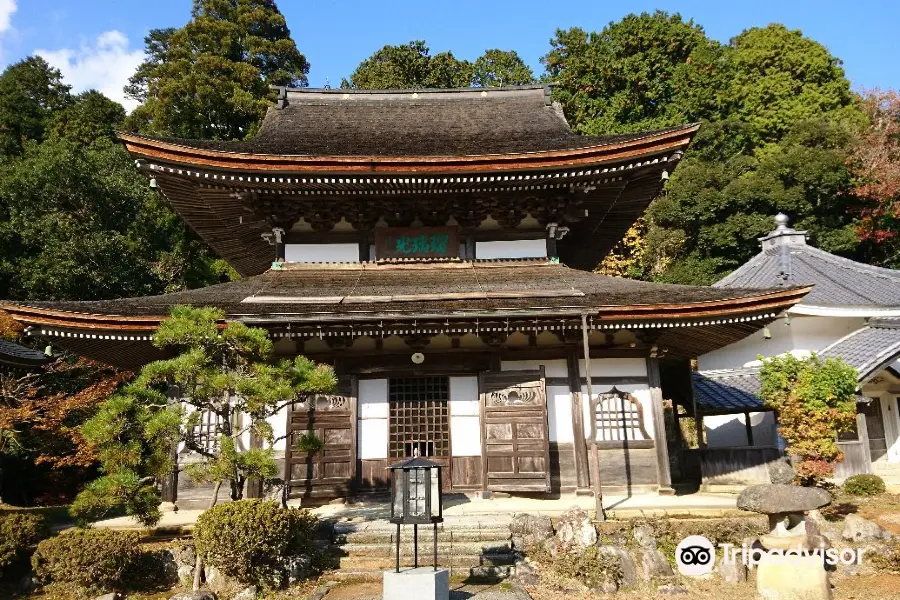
x=419, y=417
x=327, y=421
x=515, y=431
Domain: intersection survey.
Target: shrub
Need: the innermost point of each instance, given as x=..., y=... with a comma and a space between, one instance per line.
x=19, y=533
x=888, y=559
x=590, y=567
x=94, y=560
x=251, y=540
x=864, y=485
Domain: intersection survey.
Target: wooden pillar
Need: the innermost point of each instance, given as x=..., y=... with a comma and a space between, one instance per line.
x=254, y=486
x=580, y=444
x=862, y=434
x=169, y=487
x=663, y=474
x=595, y=453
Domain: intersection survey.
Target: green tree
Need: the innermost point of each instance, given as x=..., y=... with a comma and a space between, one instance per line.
x=778, y=78
x=211, y=78
x=409, y=66
x=89, y=117
x=816, y=401
x=500, y=67
x=723, y=196
x=222, y=373
x=778, y=132
x=646, y=71
x=30, y=92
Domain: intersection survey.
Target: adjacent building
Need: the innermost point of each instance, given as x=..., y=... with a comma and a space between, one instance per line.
x=852, y=312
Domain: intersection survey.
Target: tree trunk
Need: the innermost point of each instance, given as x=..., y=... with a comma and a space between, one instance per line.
x=198, y=565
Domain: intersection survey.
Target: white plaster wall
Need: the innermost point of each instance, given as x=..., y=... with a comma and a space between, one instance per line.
x=559, y=414
x=803, y=335
x=731, y=430
x=373, y=418
x=279, y=428
x=465, y=423
x=559, y=398
x=308, y=253
x=511, y=249
x=615, y=367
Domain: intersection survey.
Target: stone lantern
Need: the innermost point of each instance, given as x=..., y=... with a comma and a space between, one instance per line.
x=416, y=499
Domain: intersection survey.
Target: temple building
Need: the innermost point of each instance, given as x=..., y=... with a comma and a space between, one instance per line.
x=436, y=247
x=852, y=313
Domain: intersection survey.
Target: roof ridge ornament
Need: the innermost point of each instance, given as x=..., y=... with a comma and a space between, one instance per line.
x=782, y=235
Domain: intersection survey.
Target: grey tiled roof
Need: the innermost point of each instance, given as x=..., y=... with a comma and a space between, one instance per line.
x=838, y=281
x=727, y=390
x=869, y=349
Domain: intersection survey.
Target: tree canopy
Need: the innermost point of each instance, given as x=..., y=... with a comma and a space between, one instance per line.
x=211, y=78
x=779, y=127
x=646, y=71
x=30, y=92
x=411, y=66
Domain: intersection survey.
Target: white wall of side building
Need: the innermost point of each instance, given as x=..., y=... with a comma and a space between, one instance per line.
x=802, y=335
x=731, y=430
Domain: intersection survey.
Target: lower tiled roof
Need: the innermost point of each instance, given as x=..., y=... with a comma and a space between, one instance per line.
x=397, y=288
x=869, y=349
x=727, y=390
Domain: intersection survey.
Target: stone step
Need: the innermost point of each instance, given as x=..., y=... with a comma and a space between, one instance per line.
x=370, y=563
x=476, y=573
x=456, y=535
x=425, y=548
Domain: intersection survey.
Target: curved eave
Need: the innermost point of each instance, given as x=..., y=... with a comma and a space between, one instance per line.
x=141, y=147
x=685, y=314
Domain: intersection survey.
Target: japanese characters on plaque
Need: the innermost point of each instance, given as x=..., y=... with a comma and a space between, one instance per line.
x=417, y=242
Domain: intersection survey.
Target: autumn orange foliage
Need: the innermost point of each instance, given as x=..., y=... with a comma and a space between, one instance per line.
x=876, y=165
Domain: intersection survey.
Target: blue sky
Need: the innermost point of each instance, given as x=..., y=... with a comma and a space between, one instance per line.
x=97, y=43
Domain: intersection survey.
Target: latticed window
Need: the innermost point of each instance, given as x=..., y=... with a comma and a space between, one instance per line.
x=619, y=417
x=420, y=417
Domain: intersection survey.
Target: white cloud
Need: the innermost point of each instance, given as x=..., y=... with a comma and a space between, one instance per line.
x=7, y=8
x=104, y=64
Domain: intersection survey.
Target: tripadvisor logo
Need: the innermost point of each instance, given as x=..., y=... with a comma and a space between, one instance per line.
x=695, y=555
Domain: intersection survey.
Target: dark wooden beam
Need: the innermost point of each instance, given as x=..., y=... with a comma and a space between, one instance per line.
x=749, y=426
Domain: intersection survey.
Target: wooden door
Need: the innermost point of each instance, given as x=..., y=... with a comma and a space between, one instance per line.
x=329, y=422
x=515, y=431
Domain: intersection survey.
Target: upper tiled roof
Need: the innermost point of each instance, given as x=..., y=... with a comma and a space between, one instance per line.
x=462, y=122
x=869, y=349
x=15, y=354
x=727, y=390
x=788, y=260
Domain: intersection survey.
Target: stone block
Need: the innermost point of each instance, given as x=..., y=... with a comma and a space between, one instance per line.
x=858, y=529
x=655, y=565
x=792, y=578
x=423, y=583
